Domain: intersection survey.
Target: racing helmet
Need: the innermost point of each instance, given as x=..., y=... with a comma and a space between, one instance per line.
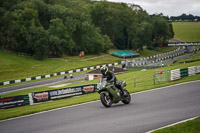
x=104, y=70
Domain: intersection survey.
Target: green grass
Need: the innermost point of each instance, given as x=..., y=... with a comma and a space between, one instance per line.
x=141, y=85
x=193, y=58
x=127, y=77
x=191, y=126
x=17, y=67
x=31, y=81
x=187, y=31
x=25, y=110
x=160, y=50
x=14, y=67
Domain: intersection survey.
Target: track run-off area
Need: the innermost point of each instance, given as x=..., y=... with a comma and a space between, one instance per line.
x=148, y=110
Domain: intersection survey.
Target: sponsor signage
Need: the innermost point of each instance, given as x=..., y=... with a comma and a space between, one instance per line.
x=65, y=93
x=69, y=92
x=10, y=102
x=40, y=97
x=88, y=89
x=44, y=96
x=185, y=44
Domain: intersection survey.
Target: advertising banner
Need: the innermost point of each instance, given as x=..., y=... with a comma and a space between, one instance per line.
x=44, y=96
x=73, y=91
x=10, y=102
x=88, y=89
x=40, y=96
x=65, y=93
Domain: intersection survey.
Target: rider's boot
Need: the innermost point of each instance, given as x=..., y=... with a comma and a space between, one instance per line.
x=121, y=91
x=120, y=88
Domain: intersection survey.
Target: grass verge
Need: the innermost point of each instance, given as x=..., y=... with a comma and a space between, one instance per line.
x=14, y=67
x=191, y=126
x=25, y=110
x=187, y=31
x=141, y=85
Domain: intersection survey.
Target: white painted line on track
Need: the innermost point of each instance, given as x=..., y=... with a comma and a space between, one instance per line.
x=173, y=124
x=36, y=86
x=95, y=101
x=48, y=111
x=165, y=87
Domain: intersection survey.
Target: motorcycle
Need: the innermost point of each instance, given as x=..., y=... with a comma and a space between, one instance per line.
x=110, y=94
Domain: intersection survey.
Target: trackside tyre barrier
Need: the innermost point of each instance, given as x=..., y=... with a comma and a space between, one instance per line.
x=175, y=74
x=184, y=72
x=198, y=69
x=192, y=70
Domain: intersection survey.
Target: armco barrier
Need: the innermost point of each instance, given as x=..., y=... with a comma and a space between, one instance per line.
x=37, y=97
x=180, y=73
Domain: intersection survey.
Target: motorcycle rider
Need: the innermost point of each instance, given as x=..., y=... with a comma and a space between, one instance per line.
x=111, y=78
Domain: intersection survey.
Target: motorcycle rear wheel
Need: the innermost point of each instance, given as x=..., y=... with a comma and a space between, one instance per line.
x=126, y=98
x=106, y=100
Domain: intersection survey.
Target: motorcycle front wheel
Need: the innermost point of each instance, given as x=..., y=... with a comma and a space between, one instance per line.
x=106, y=100
x=126, y=98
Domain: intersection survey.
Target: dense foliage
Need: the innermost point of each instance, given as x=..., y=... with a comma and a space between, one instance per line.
x=45, y=28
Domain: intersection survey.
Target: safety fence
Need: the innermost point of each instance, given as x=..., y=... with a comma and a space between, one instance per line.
x=37, y=97
x=161, y=76
x=147, y=79
x=180, y=73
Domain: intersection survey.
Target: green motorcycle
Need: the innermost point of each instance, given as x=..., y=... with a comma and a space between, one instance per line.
x=110, y=94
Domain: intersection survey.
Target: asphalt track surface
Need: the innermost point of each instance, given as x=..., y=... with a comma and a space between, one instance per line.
x=76, y=77
x=41, y=83
x=147, y=111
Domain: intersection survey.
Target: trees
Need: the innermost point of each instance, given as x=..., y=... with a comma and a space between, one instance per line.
x=112, y=19
x=185, y=17
x=129, y=26
x=162, y=29
x=39, y=41
x=60, y=41
x=45, y=28
x=143, y=36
